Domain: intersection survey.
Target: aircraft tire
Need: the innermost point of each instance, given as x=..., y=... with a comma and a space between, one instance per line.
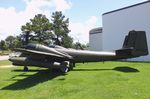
x=64, y=69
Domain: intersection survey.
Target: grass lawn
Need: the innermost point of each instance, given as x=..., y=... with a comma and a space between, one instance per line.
x=109, y=80
x=5, y=62
x=4, y=52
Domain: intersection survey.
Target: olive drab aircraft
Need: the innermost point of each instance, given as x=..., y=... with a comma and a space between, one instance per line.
x=57, y=57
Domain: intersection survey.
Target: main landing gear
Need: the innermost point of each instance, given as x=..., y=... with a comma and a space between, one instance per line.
x=25, y=68
x=66, y=66
x=71, y=66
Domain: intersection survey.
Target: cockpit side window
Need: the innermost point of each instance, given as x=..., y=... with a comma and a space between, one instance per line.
x=56, y=46
x=30, y=46
x=52, y=46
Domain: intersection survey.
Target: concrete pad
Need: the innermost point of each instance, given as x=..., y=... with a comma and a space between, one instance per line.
x=4, y=57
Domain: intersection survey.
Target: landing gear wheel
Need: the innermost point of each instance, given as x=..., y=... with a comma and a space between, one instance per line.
x=25, y=68
x=64, y=69
x=74, y=65
x=71, y=66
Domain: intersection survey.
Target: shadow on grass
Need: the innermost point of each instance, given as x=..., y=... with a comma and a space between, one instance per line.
x=45, y=75
x=125, y=69
x=32, y=70
x=32, y=80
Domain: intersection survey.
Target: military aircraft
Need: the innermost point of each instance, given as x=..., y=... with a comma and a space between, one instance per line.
x=135, y=45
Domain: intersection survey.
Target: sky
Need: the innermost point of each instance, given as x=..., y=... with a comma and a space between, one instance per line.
x=83, y=15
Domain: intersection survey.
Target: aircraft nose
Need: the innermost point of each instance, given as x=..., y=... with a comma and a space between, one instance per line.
x=11, y=58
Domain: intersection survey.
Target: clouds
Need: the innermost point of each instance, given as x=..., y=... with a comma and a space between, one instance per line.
x=59, y=5
x=8, y=21
x=80, y=30
x=62, y=5
x=11, y=20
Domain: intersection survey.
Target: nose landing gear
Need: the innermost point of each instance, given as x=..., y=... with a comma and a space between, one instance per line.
x=25, y=68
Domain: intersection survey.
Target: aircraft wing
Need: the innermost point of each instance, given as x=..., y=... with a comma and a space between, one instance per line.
x=33, y=52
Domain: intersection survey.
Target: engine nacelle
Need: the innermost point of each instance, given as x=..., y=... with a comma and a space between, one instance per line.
x=24, y=61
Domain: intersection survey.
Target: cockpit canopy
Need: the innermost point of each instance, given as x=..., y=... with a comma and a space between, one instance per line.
x=34, y=46
x=56, y=46
x=29, y=46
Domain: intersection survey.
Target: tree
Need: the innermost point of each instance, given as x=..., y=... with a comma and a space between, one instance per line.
x=38, y=30
x=3, y=45
x=18, y=41
x=10, y=42
x=67, y=41
x=60, y=29
x=26, y=30
x=80, y=46
x=41, y=28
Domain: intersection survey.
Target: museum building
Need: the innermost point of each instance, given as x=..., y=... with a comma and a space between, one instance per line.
x=116, y=25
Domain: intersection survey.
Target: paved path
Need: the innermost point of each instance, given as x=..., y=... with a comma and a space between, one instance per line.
x=7, y=66
x=4, y=57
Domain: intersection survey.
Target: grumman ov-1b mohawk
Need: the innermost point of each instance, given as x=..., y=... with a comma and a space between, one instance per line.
x=57, y=57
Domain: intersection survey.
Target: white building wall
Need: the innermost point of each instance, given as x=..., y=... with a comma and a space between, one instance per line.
x=117, y=24
x=95, y=42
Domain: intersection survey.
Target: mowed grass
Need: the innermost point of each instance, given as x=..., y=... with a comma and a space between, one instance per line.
x=5, y=62
x=109, y=80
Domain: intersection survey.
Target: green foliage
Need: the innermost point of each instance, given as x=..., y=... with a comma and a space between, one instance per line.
x=80, y=46
x=3, y=45
x=4, y=52
x=37, y=30
x=10, y=41
x=109, y=80
x=40, y=30
x=60, y=29
x=26, y=30
x=13, y=42
x=18, y=42
x=67, y=41
x=5, y=62
x=60, y=24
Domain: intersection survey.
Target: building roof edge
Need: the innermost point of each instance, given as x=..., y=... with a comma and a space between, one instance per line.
x=126, y=7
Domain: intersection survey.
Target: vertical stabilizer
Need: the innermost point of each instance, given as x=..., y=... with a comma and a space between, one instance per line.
x=135, y=44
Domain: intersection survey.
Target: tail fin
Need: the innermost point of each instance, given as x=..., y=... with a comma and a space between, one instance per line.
x=135, y=45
